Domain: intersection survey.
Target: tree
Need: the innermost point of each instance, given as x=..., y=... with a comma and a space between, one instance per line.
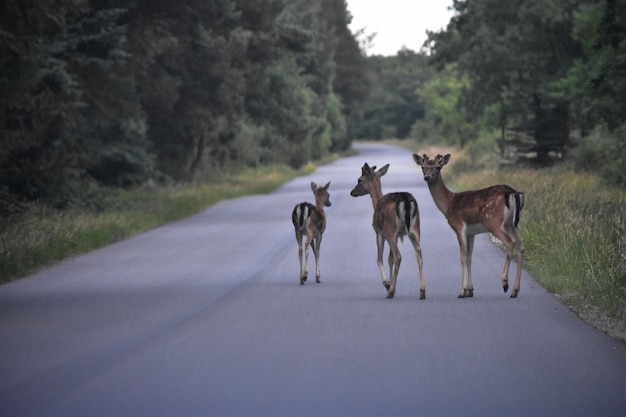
x=596, y=82
x=596, y=86
x=395, y=102
x=350, y=83
x=65, y=99
x=512, y=52
x=444, y=120
x=112, y=129
x=37, y=98
x=113, y=93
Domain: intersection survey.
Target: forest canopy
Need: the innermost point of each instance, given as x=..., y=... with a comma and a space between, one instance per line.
x=112, y=93
x=117, y=93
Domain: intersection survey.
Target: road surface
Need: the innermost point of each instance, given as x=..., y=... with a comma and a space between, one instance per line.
x=206, y=317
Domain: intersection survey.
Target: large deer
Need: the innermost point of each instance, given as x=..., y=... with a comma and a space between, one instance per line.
x=494, y=209
x=395, y=215
x=310, y=220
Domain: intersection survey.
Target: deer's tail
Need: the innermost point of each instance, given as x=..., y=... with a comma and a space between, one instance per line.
x=407, y=210
x=301, y=212
x=515, y=199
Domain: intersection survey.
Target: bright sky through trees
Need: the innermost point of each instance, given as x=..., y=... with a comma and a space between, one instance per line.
x=398, y=23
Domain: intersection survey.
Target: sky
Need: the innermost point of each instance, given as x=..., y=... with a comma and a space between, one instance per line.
x=398, y=22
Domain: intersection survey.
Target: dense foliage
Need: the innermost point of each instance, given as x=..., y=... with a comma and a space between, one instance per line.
x=117, y=93
x=529, y=78
x=552, y=70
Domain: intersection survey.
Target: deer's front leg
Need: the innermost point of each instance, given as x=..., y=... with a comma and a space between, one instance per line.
x=463, y=252
x=469, y=286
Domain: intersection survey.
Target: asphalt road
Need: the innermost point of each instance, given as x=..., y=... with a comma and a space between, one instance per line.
x=206, y=317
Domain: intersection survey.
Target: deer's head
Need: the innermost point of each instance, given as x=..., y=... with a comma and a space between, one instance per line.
x=321, y=193
x=369, y=180
x=431, y=167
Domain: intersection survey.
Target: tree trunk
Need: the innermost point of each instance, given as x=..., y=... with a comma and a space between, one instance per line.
x=551, y=128
x=199, y=145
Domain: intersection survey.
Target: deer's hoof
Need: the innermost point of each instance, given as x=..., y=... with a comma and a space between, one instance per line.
x=505, y=287
x=390, y=295
x=386, y=285
x=422, y=294
x=514, y=293
x=466, y=293
x=317, y=280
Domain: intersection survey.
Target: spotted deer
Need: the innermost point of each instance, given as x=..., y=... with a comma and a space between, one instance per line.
x=310, y=220
x=494, y=209
x=395, y=215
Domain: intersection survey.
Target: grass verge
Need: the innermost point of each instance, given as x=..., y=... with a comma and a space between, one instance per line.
x=40, y=236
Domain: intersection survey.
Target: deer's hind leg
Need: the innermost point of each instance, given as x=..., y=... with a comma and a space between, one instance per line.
x=397, y=259
x=307, y=246
x=316, y=251
x=300, y=253
x=415, y=240
x=519, y=247
x=520, y=264
x=390, y=261
x=508, y=241
x=469, y=287
x=380, y=243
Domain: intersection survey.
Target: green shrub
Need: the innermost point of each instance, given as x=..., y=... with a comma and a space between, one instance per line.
x=603, y=153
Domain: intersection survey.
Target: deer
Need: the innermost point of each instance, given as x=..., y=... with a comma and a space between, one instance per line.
x=310, y=220
x=395, y=216
x=496, y=209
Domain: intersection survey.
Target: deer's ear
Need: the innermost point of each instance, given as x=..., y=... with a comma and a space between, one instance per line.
x=444, y=160
x=419, y=160
x=365, y=170
x=313, y=186
x=383, y=170
x=327, y=185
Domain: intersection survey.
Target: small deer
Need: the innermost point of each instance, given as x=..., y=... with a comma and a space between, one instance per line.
x=494, y=209
x=310, y=220
x=395, y=215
